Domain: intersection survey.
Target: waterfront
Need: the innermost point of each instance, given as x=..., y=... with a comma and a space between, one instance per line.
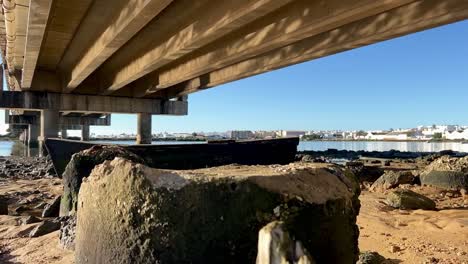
x=411, y=146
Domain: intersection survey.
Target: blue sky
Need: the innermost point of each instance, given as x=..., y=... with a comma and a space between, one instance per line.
x=419, y=79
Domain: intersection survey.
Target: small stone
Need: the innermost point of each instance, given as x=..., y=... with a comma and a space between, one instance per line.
x=394, y=249
x=369, y=257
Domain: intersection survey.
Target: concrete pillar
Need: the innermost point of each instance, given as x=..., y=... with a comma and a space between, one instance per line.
x=49, y=127
x=33, y=135
x=64, y=133
x=85, y=133
x=143, y=128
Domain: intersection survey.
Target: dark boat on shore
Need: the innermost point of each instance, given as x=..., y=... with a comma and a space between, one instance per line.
x=189, y=156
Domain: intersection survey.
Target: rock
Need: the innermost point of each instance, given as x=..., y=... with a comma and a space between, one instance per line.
x=129, y=213
x=3, y=206
x=52, y=210
x=80, y=166
x=20, y=209
x=406, y=199
x=391, y=179
x=40, y=205
x=446, y=172
x=394, y=249
x=363, y=172
x=30, y=220
x=276, y=246
x=67, y=233
x=369, y=257
x=46, y=227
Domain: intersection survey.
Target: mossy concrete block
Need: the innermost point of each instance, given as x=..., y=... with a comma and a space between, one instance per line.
x=129, y=213
x=446, y=172
x=81, y=165
x=406, y=199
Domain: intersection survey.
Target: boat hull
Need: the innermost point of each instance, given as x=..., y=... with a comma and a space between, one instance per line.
x=189, y=156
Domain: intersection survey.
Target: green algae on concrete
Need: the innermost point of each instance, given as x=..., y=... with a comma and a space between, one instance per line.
x=129, y=213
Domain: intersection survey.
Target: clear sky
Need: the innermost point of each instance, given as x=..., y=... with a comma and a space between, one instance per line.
x=420, y=79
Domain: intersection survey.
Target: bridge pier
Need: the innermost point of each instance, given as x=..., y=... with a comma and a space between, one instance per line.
x=84, y=132
x=33, y=135
x=63, y=133
x=49, y=127
x=144, y=128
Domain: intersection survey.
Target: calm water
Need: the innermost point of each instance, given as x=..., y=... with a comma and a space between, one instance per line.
x=6, y=146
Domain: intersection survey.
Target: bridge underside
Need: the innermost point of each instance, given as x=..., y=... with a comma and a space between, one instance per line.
x=145, y=57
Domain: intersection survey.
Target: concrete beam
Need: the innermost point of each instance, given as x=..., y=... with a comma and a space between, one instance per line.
x=216, y=21
x=299, y=20
x=130, y=18
x=39, y=11
x=400, y=21
x=90, y=103
x=63, y=120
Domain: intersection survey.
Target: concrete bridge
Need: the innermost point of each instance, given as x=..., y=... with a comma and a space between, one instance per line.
x=146, y=56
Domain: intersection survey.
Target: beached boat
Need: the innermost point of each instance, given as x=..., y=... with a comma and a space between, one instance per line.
x=190, y=156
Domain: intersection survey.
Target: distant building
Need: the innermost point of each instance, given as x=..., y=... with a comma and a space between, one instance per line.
x=457, y=135
x=241, y=134
x=292, y=133
x=265, y=134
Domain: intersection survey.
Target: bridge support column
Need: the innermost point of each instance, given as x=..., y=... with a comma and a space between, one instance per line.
x=33, y=135
x=143, y=128
x=49, y=127
x=64, y=133
x=85, y=133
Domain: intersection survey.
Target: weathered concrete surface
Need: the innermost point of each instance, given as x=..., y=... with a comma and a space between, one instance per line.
x=80, y=166
x=129, y=213
x=447, y=172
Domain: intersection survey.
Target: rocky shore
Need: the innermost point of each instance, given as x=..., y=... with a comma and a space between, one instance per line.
x=397, y=207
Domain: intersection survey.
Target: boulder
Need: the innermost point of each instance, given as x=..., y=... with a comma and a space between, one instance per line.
x=46, y=227
x=406, y=199
x=391, y=179
x=52, y=209
x=446, y=172
x=370, y=257
x=275, y=245
x=363, y=172
x=129, y=213
x=80, y=166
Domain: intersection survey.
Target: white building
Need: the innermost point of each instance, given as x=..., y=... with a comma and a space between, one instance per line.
x=292, y=133
x=457, y=135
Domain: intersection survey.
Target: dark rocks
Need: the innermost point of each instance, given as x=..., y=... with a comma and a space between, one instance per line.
x=446, y=172
x=46, y=227
x=52, y=209
x=3, y=206
x=26, y=167
x=369, y=257
x=363, y=172
x=391, y=179
x=129, y=213
x=80, y=166
x=67, y=233
x=406, y=199
x=30, y=220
